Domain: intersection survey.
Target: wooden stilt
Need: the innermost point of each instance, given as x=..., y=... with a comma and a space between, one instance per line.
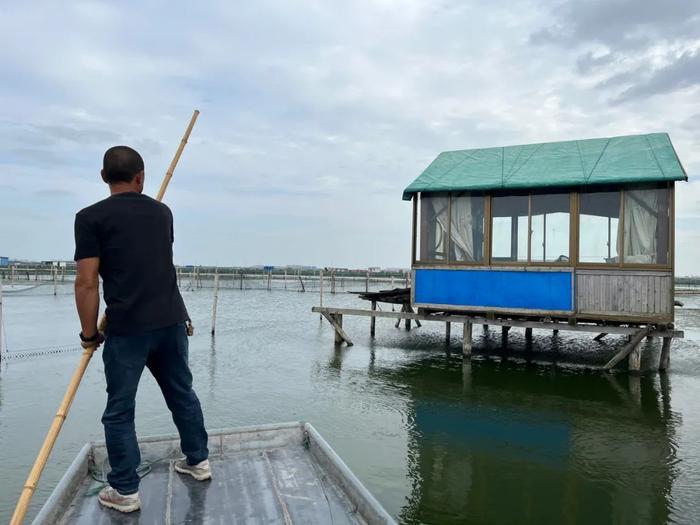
x=635, y=359
x=528, y=334
x=338, y=334
x=398, y=321
x=407, y=321
x=373, y=320
x=555, y=332
x=409, y=309
x=665, y=358
x=600, y=336
x=448, y=329
x=486, y=327
x=467, y=340
x=504, y=334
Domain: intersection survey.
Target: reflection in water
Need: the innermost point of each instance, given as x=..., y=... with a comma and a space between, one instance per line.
x=502, y=443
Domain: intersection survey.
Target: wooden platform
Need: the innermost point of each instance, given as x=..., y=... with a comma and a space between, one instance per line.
x=632, y=350
x=273, y=474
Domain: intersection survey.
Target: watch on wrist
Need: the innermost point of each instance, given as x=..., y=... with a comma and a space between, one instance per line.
x=88, y=339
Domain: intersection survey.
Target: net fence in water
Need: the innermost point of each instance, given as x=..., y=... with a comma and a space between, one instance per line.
x=37, y=352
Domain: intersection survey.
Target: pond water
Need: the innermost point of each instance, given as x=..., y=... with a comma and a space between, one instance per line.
x=522, y=434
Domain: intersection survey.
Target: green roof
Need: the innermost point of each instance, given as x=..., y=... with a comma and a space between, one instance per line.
x=616, y=160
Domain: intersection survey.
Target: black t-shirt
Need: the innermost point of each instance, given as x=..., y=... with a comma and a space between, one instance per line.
x=132, y=234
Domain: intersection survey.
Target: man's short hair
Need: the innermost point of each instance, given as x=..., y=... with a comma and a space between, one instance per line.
x=121, y=164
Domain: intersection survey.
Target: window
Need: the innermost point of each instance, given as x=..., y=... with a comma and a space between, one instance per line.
x=550, y=228
x=433, y=227
x=599, y=227
x=646, y=228
x=509, y=228
x=467, y=229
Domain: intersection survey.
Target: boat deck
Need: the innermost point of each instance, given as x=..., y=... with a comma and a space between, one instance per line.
x=264, y=475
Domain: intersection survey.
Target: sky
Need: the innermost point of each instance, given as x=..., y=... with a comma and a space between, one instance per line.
x=315, y=115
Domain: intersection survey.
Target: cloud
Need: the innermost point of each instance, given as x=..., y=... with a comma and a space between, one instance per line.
x=619, y=24
x=681, y=74
x=315, y=116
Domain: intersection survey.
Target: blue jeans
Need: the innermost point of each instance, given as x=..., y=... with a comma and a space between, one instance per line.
x=164, y=352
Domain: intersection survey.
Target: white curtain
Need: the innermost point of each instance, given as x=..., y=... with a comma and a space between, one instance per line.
x=439, y=251
x=462, y=229
x=641, y=223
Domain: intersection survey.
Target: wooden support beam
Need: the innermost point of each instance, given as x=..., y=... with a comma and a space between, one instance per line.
x=528, y=334
x=629, y=348
x=448, y=329
x=665, y=358
x=336, y=321
x=467, y=340
x=486, y=327
x=600, y=336
x=373, y=320
x=461, y=318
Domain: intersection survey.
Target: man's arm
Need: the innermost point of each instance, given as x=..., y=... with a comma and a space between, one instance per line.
x=87, y=294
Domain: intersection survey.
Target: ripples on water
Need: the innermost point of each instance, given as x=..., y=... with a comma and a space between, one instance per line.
x=524, y=434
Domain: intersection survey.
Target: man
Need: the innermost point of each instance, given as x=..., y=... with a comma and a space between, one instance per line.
x=127, y=239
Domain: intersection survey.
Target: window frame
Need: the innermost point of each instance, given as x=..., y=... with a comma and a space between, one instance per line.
x=448, y=261
x=670, y=249
x=574, y=231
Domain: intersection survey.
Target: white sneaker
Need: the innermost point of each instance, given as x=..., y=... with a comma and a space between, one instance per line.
x=200, y=471
x=109, y=497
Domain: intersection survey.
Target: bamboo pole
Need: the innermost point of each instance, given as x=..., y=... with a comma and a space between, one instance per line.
x=64, y=407
x=176, y=158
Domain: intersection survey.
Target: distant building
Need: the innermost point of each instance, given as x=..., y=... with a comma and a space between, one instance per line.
x=4, y=262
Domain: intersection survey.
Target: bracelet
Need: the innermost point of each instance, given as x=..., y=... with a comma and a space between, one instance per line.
x=89, y=339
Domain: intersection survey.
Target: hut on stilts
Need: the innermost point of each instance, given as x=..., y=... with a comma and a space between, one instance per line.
x=575, y=235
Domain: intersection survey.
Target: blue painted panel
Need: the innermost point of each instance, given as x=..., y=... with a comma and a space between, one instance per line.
x=495, y=289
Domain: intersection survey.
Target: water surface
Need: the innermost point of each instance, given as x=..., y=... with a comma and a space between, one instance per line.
x=522, y=434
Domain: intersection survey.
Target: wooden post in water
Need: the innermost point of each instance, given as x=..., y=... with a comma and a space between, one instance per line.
x=367, y=282
x=320, y=290
x=373, y=320
x=448, y=330
x=528, y=335
x=504, y=335
x=55, y=280
x=0, y=316
x=635, y=359
x=467, y=340
x=285, y=278
x=216, y=300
